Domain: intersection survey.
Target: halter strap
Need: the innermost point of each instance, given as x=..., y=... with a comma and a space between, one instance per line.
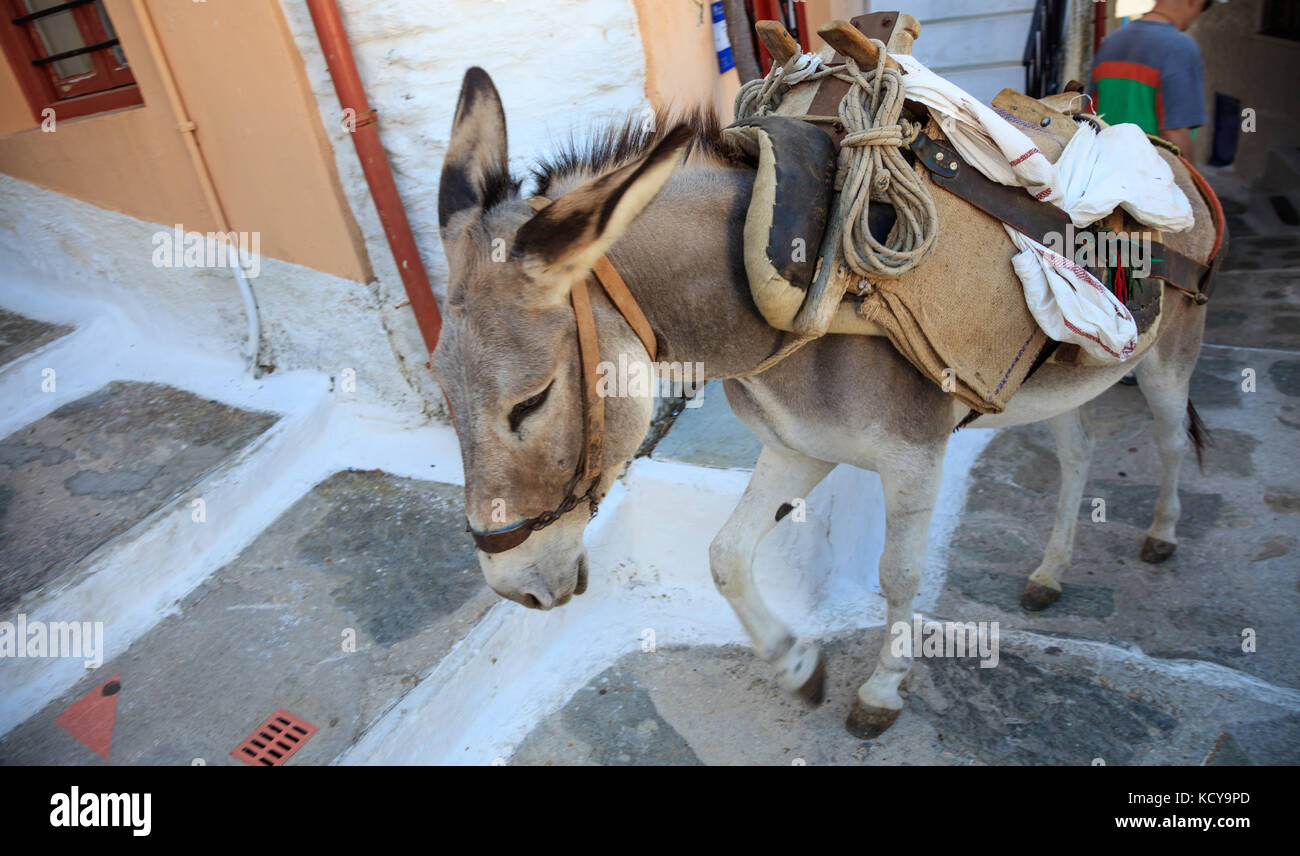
x=593, y=404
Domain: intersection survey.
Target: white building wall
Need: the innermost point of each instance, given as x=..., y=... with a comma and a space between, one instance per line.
x=560, y=65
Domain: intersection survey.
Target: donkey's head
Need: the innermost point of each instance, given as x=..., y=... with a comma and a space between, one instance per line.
x=508, y=357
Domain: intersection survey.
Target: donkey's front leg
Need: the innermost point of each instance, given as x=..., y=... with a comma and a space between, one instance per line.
x=911, y=484
x=779, y=478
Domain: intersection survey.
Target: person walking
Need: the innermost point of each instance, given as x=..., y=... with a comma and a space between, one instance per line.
x=1149, y=72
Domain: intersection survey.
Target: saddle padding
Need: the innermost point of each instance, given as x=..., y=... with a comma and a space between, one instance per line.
x=794, y=189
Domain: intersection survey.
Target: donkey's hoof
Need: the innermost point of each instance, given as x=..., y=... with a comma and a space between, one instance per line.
x=801, y=671
x=868, y=723
x=1156, y=551
x=813, y=690
x=1038, y=596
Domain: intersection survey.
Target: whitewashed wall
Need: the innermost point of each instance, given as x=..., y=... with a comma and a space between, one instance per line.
x=560, y=65
x=71, y=262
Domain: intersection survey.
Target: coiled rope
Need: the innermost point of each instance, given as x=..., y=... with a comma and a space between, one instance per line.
x=872, y=167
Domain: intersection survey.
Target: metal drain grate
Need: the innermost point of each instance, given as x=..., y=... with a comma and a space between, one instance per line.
x=274, y=741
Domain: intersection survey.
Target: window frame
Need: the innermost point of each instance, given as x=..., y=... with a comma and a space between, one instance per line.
x=111, y=87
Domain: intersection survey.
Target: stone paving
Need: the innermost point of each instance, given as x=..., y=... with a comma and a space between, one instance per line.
x=1235, y=567
x=1048, y=701
x=340, y=606
x=20, y=335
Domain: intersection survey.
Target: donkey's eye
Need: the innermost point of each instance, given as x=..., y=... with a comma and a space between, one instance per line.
x=528, y=405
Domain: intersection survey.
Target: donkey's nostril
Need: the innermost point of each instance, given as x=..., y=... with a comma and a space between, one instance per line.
x=537, y=596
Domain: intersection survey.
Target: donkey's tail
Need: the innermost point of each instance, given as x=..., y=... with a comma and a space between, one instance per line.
x=1197, y=433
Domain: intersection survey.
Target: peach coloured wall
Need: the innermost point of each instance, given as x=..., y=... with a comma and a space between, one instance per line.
x=242, y=81
x=681, y=63
x=11, y=97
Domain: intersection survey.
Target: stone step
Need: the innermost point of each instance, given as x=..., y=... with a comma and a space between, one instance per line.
x=122, y=499
x=1048, y=701
x=339, y=607
x=20, y=335
x=1281, y=171
x=94, y=468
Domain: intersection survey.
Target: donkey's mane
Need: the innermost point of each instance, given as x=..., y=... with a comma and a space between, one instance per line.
x=619, y=142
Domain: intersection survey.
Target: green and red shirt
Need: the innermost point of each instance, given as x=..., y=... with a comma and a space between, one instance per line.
x=1150, y=74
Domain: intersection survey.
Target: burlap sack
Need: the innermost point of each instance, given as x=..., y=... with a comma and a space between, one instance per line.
x=960, y=317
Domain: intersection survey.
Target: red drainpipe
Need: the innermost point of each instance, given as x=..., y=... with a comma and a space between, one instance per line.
x=765, y=10
x=1099, y=15
x=801, y=22
x=374, y=162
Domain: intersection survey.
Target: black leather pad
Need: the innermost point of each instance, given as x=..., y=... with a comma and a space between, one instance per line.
x=805, y=191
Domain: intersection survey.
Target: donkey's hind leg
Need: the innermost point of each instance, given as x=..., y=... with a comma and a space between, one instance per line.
x=779, y=478
x=1164, y=383
x=1074, y=447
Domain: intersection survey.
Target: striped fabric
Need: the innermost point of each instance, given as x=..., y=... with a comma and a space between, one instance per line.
x=1129, y=92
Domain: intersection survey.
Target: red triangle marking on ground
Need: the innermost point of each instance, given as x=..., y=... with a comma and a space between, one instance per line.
x=90, y=719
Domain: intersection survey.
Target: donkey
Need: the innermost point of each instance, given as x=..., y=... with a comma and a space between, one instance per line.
x=668, y=208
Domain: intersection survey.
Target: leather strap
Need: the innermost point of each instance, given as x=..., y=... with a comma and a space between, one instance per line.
x=1220, y=229
x=622, y=298
x=831, y=90
x=1026, y=215
x=593, y=405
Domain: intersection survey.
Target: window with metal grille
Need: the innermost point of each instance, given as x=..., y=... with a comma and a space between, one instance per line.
x=66, y=57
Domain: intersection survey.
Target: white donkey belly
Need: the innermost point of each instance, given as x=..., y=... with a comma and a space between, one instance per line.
x=1054, y=389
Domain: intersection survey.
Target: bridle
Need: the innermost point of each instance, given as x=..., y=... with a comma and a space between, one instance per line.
x=593, y=405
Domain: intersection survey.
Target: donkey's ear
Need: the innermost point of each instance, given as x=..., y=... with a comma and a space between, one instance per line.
x=565, y=239
x=476, y=155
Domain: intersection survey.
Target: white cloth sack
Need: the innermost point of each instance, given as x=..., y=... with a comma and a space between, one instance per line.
x=1098, y=172
x=1094, y=174
x=1120, y=168
x=1070, y=304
